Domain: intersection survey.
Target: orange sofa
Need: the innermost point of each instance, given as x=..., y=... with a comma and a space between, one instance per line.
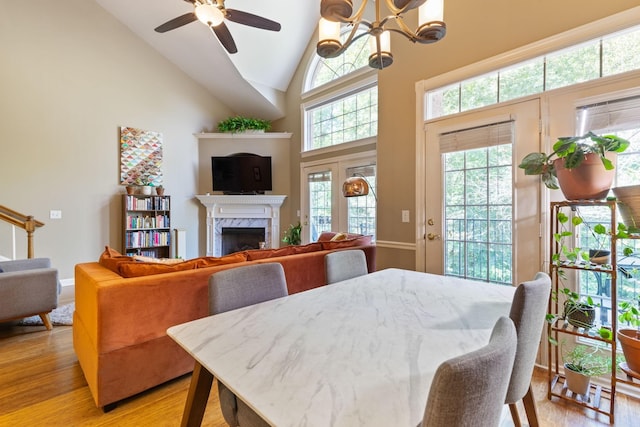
x=120, y=323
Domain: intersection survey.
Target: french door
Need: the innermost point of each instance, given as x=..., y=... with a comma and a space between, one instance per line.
x=483, y=216
x=323, y=206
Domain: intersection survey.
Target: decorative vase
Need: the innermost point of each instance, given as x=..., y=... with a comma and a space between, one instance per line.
x=160, y=191
x=589, y=181
x=146, y=190
x=630, y=341
x=577, y=382
x=131, y=189
x=629, y=206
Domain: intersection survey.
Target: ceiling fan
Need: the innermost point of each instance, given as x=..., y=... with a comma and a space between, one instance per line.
x=212, y=13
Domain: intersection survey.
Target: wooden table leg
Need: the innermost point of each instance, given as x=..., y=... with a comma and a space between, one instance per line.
x=199, y=390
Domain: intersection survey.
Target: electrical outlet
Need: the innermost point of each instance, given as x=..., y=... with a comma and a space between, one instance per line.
x=405, y=216
x=55, y=214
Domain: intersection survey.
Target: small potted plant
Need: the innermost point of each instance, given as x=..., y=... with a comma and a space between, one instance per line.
x=579, y=312
x=581, y=166
x=582, y=363
x=629, y=312
x=292, y=235
x=240, y=124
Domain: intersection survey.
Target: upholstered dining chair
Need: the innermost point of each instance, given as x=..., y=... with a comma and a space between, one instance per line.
x=528, y=313
x=343, y=265
x=236, y=288
x=469, y=390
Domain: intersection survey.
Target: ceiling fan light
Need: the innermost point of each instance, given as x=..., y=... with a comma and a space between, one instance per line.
x=209, y=14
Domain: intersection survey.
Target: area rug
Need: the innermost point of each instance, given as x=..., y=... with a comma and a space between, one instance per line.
x=61, y=316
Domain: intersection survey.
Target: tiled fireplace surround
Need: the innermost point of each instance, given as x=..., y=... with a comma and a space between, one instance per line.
x=241, y=211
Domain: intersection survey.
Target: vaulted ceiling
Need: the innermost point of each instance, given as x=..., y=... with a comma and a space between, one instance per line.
x=251, y=82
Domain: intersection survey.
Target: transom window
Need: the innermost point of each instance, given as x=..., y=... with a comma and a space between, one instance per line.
x=606, y=56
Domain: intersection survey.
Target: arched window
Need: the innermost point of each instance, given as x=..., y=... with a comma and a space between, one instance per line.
x=325, y=70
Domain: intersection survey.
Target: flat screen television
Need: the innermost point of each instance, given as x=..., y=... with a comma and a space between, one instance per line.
x=241, y=173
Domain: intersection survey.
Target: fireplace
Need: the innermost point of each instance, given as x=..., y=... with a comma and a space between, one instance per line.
x=241, y=211
x=236, y=239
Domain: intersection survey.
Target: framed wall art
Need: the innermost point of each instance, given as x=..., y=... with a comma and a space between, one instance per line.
x=140, y=157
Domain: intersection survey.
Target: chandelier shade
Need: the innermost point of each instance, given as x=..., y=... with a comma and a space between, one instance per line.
x=335, y=13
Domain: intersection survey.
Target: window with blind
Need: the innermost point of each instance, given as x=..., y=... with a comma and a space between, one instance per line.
x=478, y=207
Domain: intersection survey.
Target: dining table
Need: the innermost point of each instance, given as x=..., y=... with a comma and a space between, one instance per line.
x=361, y=352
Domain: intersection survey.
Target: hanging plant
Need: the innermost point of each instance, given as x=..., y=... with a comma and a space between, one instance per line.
x=242, y=124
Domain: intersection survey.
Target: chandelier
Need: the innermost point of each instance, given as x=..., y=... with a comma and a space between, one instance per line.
x=431, y=27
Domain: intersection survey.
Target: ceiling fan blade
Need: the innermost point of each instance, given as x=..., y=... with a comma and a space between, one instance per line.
x=251, y=20
x=177, y=22
x=222, y=32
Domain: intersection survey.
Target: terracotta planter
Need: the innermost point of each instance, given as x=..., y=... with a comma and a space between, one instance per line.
x=589, y=181
x=630, y=341
x=577, y=382
x=629, y=206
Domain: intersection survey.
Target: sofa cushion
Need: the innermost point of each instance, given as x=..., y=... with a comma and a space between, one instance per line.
x=111, y=259
x=346, y=243
x=287, y=250
x=137, y=269
x=209, y=261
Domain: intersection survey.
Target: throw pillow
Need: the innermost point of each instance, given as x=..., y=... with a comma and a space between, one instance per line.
x=356, y=241
x=111, y=259
x=141, y=258
x=339, y=237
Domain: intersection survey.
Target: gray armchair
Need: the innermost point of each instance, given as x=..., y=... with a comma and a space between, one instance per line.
x=28, y=287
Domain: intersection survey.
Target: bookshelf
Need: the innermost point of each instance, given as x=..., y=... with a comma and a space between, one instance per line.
x=146, y=222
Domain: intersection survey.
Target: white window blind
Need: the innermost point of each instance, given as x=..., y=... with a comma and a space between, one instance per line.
x=478, y=137
x=602, y=117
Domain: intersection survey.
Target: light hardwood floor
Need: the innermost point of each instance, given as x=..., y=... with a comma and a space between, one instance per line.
x=41, y=384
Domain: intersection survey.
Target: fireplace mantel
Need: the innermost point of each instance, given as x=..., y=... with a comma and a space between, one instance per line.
x=241, y=207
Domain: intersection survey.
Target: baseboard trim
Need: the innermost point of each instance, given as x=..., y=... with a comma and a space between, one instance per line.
x=67, y=294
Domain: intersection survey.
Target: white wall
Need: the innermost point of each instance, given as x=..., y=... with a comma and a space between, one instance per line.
x=70, y=76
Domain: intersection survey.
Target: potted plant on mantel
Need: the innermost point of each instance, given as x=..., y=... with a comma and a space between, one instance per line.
x=240, y=124
x=582, y=167
x=630, y=338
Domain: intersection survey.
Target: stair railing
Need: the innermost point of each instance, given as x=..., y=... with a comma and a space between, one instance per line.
x=26, y=222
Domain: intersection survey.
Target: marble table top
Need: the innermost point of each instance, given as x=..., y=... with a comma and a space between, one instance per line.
x=361, y=352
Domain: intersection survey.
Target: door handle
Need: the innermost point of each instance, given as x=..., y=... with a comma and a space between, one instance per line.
x=432, y=236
